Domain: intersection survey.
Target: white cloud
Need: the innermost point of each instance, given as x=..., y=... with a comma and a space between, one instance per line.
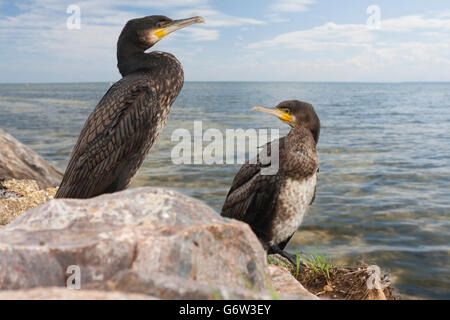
x=320, y=38
x=405, y=48
x=413, y=22
x=444, y=14
x=215, y=18
x=275, y=18
x=291, y=5
x=333, y=36
x=202, y=34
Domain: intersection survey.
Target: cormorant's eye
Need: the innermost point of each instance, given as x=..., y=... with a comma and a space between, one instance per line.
x=286, y=110
x=159, y=25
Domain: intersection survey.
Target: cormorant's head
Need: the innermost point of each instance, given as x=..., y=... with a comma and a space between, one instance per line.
x=140, y=34
x=297, y=114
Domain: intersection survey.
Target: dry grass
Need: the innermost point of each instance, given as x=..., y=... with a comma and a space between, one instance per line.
x=349, y=283
x=328, y=281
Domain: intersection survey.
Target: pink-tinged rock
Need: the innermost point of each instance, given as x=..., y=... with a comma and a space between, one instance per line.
x=285, y=284
x=154, y=234
x=176, y=288
x=54, y=293
x=17, y=161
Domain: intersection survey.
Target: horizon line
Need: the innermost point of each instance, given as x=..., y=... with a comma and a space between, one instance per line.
x=244, y=81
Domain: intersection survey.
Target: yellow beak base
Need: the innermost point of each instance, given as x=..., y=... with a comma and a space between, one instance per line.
x=159, y=33
x=283, y=116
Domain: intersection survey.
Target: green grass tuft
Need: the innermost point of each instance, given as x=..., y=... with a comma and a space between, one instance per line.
x=297, y=264
x=319, y=263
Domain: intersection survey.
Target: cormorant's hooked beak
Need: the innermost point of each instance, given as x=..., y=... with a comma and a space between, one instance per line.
x=176, y=25
x=283, y=116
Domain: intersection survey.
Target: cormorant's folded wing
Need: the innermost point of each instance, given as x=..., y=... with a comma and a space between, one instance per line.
x=253, y=196
x=115, y=129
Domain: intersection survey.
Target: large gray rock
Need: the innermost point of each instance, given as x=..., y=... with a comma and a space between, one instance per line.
x=17, y=161
x=170, y=287
x=144, y=240
x=54, y=293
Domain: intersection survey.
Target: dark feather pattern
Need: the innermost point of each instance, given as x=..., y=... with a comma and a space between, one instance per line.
x=253, y=197
x=120, y=132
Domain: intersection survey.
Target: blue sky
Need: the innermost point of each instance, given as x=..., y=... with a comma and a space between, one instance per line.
x=246, y=40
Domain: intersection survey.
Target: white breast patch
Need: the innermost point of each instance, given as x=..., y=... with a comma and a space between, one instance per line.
x=292, y=205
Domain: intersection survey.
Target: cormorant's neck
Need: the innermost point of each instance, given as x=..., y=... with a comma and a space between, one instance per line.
x=301, y=131
x=141, y=61
x=132, y=57
x=132, y=62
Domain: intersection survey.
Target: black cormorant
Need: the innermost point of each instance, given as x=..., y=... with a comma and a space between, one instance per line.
x=126, y=122
x=274, y=205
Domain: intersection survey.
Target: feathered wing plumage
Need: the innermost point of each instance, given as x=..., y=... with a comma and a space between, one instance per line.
x=253, y=196
x=109, y=148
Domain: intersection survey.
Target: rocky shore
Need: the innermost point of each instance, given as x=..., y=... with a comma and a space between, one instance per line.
x=144, y=243
x=17, y=161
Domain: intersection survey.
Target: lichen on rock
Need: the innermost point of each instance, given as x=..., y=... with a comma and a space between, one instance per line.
x=18, y=196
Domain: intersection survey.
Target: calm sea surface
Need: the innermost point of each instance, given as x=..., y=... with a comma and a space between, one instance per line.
x=383, y=193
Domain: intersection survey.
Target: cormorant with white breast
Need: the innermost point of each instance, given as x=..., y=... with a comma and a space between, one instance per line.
x=126, y=122
x=274, y=205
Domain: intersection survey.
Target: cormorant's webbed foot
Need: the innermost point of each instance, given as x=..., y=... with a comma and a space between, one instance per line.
x=291, y=257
